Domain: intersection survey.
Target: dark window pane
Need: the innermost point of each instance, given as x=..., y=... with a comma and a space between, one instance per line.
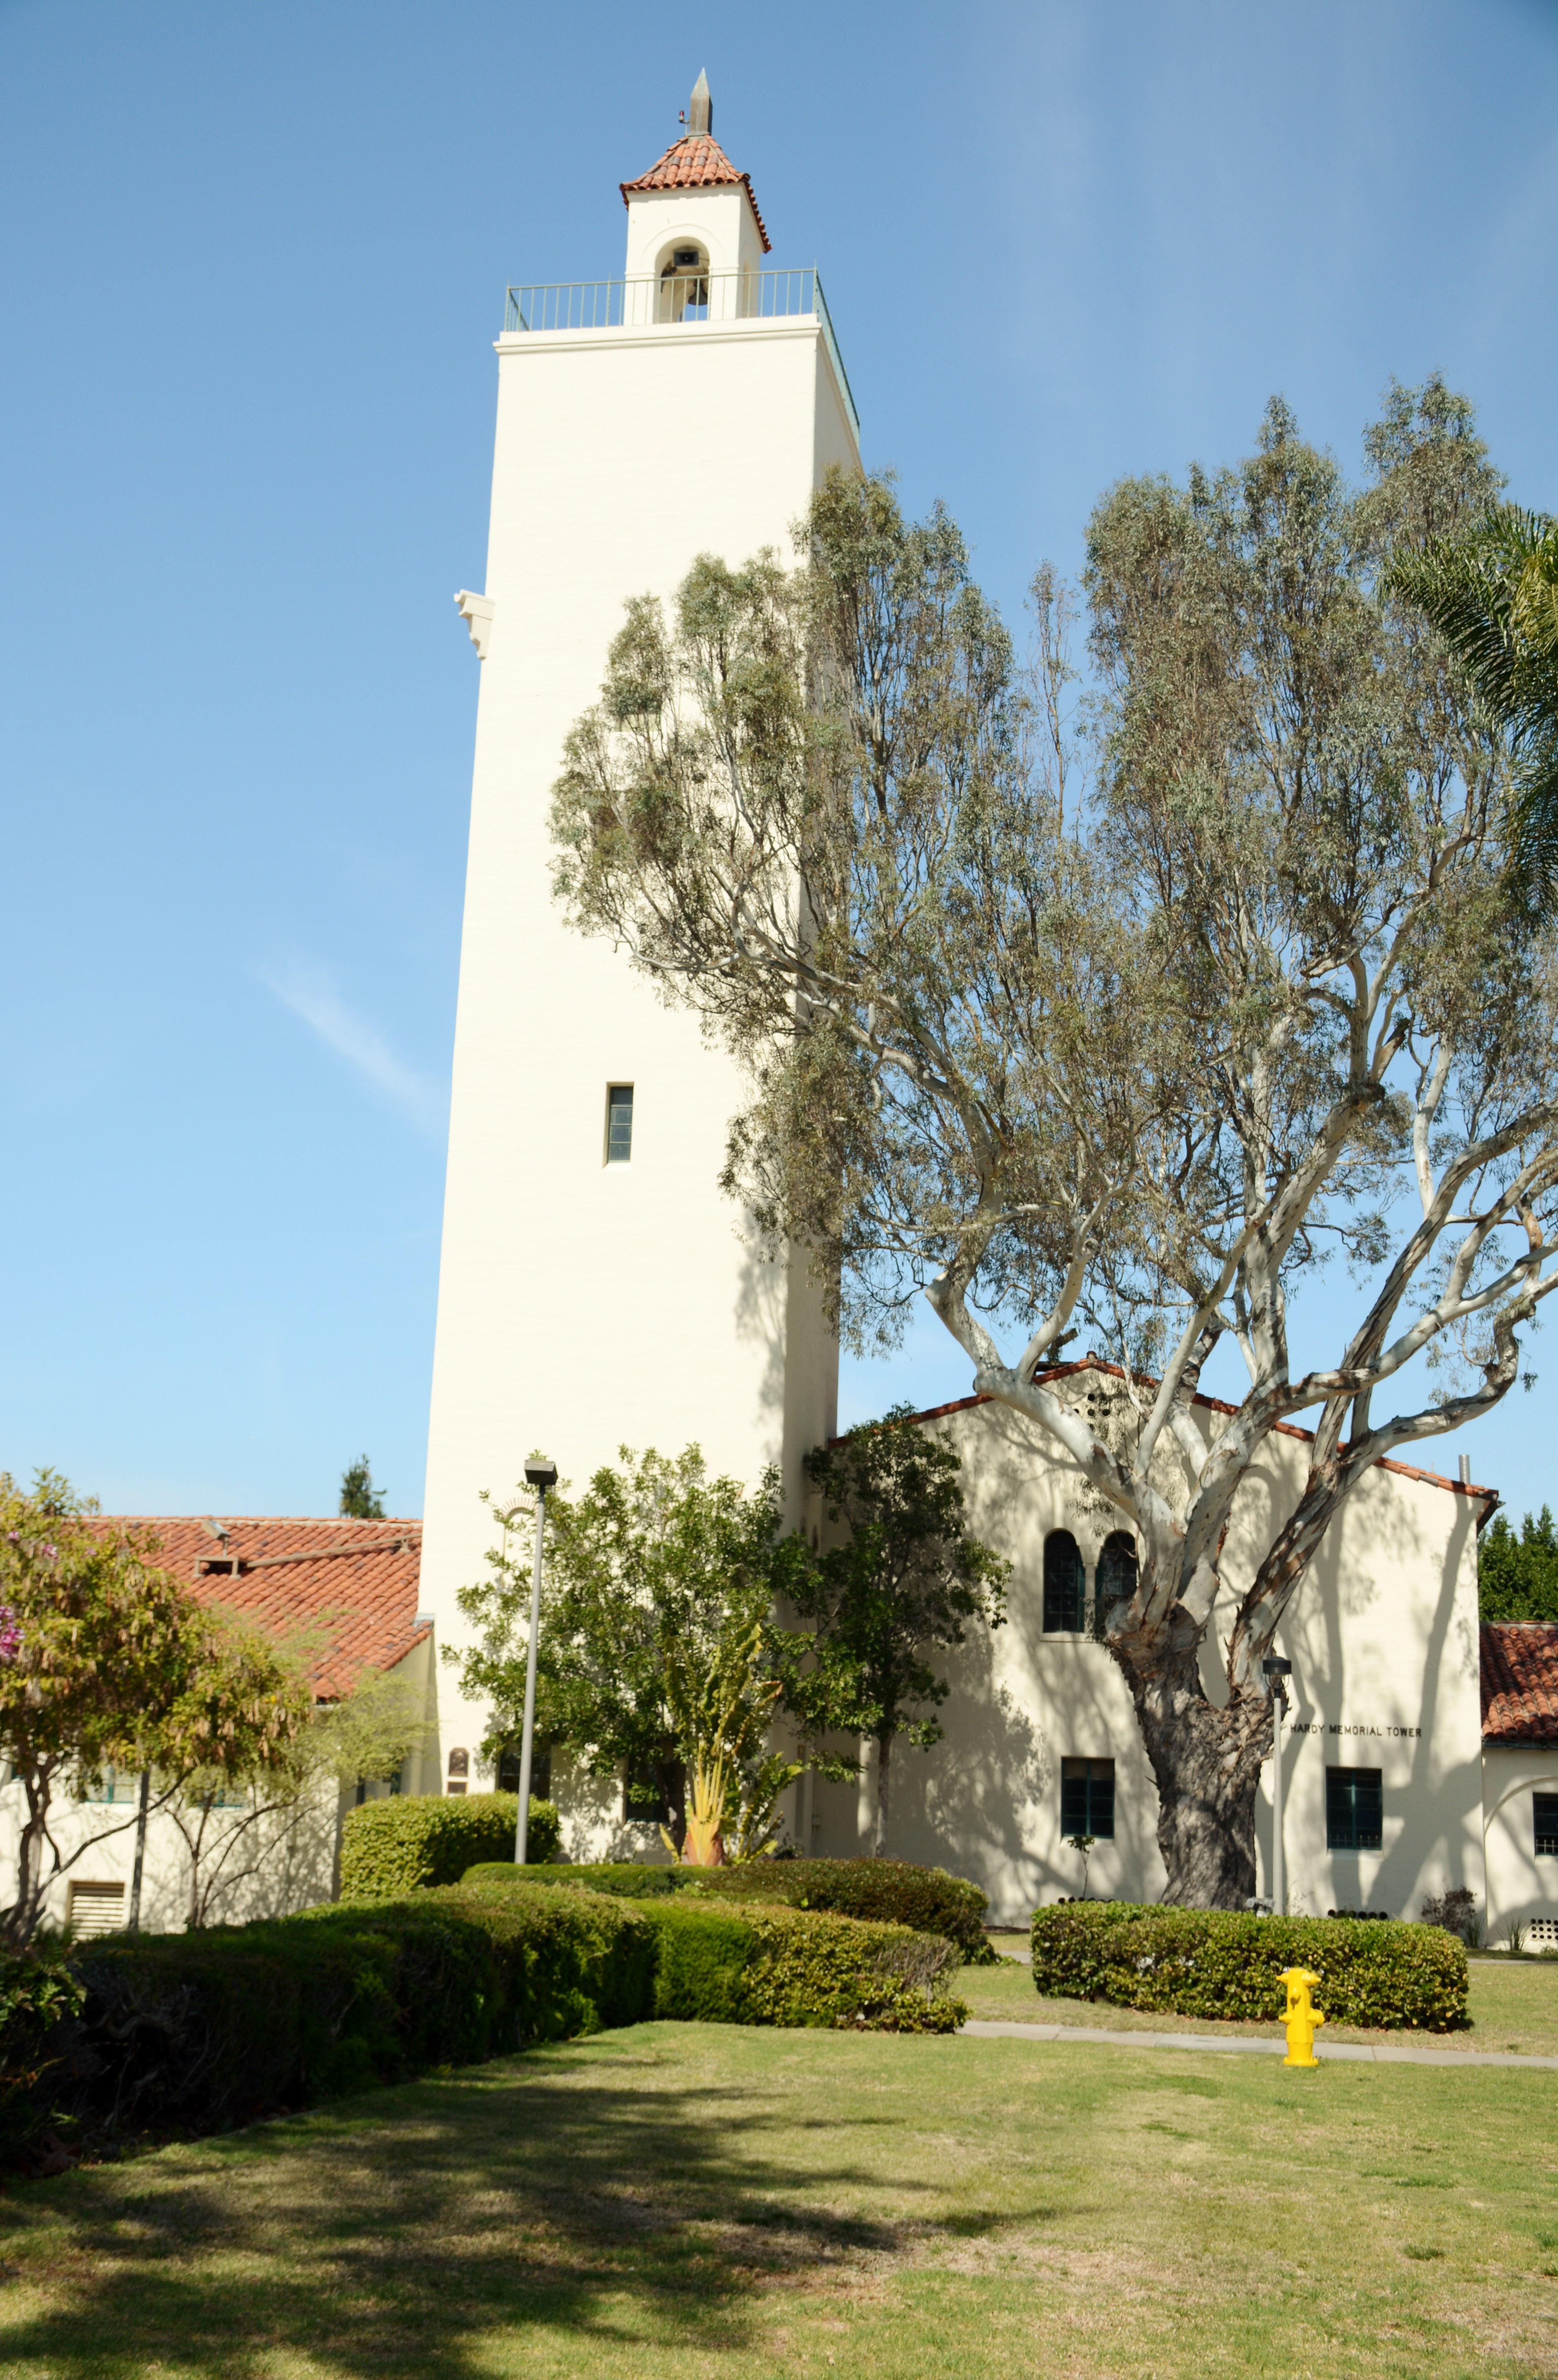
x=1116, y=1571
x=1065, y=1583
x=1545, y=1806
x=540, y=1771
x=1087, y=1799
x=1354, y=1809
x=618, y=1124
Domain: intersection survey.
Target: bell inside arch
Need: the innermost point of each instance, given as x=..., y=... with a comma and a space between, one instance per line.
x=684, y=296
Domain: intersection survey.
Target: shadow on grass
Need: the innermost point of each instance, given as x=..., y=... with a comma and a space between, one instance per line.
x=402, y=2231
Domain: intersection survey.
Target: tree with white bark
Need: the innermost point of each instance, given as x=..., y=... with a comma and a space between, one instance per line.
x=1132, y=1033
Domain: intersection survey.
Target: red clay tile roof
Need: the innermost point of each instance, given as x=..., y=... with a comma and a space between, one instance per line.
x=1519, y=1683
x=1048, y=1372
x=356, y=1583
x=697, y=163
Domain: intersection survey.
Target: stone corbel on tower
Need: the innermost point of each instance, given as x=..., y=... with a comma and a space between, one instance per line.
x=476, y=613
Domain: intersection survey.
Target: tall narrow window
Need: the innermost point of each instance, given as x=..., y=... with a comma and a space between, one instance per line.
x=1117, y=1572
x=1544, y=1809
x=1065, y=1583
x=618, y=1124
x=1087, y=1799
x=1354, y=1809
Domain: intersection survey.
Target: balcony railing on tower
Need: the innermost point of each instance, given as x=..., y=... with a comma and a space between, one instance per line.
x=678, y=297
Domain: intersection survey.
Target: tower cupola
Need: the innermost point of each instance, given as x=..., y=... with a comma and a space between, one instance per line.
x=693, y=216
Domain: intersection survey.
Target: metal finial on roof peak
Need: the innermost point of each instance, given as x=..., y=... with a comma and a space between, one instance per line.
x=700, y=110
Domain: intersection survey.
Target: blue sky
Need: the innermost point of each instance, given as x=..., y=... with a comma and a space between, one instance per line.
x=254, y=264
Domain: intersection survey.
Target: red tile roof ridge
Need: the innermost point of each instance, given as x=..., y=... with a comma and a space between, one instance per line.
x=354, y=1582
x=696, y=162
x=263, y=1520
x=1212, y=1404
x=1519, y=1682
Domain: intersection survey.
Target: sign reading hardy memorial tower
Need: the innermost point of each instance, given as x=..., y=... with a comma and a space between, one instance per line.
x=596, y=1287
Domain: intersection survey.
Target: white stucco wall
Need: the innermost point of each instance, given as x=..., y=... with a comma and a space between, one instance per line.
x=582, y=1306
x=1522, y=1887
x=1384, y=1641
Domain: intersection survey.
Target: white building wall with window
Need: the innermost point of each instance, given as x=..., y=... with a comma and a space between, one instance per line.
x=1520, y=1831
x=588, y=1299
x=1383, y=1640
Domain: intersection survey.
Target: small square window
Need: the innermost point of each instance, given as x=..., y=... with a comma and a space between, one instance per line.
x=1354, y=1809
x=618, y=1124
x=1544, y=1809
x=1087, y=1799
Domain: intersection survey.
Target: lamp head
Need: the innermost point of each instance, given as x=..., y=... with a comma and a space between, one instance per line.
x=540, y=1474
x=1275, y=1666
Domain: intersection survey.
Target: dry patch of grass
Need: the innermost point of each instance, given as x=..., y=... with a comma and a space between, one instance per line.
x=681, y=2200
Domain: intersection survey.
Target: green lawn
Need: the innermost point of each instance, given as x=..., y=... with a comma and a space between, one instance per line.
x=688, y=2200
x=1514, y=2006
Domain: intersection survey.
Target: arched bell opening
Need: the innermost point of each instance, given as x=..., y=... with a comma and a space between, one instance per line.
x=683, y=291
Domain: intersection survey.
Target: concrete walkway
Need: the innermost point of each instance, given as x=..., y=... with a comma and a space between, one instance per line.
x=1252, y=2046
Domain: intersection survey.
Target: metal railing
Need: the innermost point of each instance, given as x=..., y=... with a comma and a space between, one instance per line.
x=677, y=297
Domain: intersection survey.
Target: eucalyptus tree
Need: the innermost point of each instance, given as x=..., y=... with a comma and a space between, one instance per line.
x=1134, y=1055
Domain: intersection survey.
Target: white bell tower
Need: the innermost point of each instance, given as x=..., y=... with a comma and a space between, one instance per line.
x=595, y=1289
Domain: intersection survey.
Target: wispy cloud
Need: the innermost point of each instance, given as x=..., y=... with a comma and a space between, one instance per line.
x=311, y=993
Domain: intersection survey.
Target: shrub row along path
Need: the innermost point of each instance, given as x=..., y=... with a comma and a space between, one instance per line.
x=1514, y=2007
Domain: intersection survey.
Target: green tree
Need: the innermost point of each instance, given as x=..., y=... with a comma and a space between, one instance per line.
x=113, y=1665
x=239, y=1811
x=360, y=1500
x=654, y=1577
x=1518, y=1575
x=901, y=1578
x=1255, y=994
x=1492, y=592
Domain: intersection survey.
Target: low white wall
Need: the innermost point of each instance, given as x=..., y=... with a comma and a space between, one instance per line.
x=1521, y=1886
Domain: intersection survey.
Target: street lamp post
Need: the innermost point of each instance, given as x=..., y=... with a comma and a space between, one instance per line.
x=1275, y=1670
x=540, y=1475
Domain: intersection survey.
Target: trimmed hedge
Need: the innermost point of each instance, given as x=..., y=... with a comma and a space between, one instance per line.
x=178, y=2034
x=186, y=2033
x=765, y=1965
x=892, y=1892
x=1222, y=1963
x=40, y=2000
x=413, y=1840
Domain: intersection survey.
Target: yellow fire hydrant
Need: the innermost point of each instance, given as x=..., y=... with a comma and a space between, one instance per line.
x=1302, y=2016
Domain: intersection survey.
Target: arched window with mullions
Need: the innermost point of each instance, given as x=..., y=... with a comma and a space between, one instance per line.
x=1117, y=1573
x=1065, y=1584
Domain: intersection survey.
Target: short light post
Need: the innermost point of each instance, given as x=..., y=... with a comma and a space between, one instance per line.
x=1275, y=1670
x=540, y=1475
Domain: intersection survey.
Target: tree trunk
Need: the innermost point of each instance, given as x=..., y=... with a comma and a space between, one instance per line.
x=884, y=1753
x=1206, y=1763
x=26, y=1911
